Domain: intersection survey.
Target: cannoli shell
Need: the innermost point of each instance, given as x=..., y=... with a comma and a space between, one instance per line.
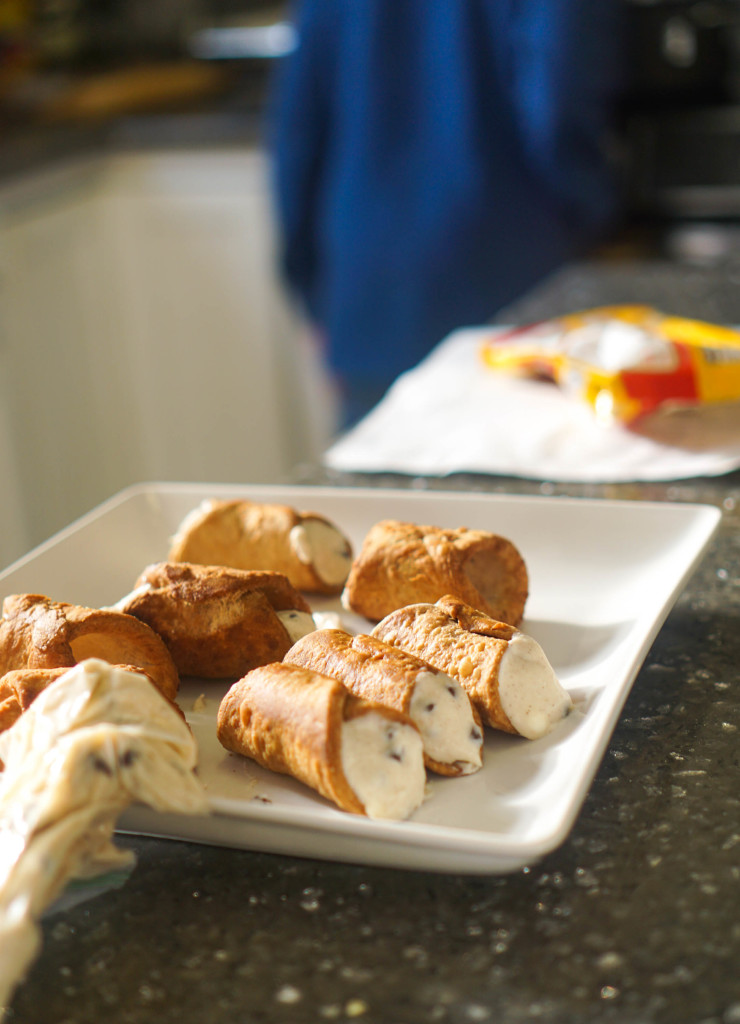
x=36, y=632
x=217, y=623
x=289, y=719
x=458, y=640
x=403, y=563
x=249, y=535
x=370, y=668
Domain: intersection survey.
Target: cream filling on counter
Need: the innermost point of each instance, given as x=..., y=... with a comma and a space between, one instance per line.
x=322, y=546
x=383, y=763
x=441, y=710
x=297, y=623
x=531, y=695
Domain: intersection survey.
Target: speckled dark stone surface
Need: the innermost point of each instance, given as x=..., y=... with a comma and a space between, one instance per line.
x=633, y=919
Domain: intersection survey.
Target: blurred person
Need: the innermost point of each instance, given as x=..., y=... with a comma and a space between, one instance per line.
x=434, y=159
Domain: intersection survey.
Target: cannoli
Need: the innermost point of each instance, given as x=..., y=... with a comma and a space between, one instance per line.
x=378, y=672
x=364, y=757
x=36, y=632
x=402, y=563
x=504, y=672
x=304, y=546
x=219, y=623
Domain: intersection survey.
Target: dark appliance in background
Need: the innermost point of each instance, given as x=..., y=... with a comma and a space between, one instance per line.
x=682, y=111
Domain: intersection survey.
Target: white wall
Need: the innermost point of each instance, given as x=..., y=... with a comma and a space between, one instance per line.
x=144, y=336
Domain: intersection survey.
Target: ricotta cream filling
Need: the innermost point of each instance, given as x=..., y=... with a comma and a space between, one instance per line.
x=383, y=763
x=441, y=710
x=531, y=695
x=322, y=546
x=297, y=623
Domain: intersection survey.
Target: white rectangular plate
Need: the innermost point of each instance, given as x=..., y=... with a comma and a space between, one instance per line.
x=603, y=577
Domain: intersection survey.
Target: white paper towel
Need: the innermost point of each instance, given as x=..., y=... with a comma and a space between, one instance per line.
x=453, y=414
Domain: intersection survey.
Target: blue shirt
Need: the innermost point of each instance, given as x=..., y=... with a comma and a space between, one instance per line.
x=433, y=159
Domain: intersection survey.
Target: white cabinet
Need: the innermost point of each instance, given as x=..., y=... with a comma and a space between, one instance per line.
x=144, y=336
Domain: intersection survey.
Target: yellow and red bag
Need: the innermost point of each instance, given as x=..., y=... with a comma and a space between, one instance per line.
x=624, y=361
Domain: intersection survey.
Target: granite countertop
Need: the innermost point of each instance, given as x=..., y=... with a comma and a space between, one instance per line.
x=633, y=919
